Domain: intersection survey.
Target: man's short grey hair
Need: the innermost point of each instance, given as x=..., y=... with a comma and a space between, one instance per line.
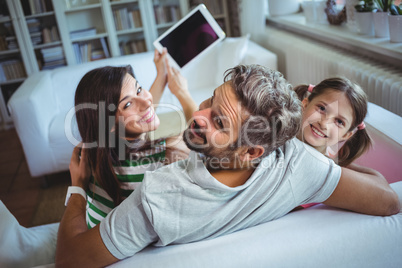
x=275, y=111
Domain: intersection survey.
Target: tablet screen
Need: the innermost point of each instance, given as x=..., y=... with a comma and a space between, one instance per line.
x=189, y=39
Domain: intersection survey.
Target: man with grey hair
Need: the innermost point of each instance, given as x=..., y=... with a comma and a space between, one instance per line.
x=245, y=168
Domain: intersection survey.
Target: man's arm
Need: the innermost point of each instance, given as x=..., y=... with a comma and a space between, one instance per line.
x=364, y=190
x=76, y=245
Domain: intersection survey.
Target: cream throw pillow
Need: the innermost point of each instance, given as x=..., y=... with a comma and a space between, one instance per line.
x=230, y=52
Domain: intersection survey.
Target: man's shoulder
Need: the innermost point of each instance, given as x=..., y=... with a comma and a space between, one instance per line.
x=170, y=176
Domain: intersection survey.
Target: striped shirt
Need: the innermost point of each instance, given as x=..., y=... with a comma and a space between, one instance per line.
x=130, y=173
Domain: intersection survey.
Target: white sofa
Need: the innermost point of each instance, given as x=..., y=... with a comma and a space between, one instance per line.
x=318, y=236
x=43, y=106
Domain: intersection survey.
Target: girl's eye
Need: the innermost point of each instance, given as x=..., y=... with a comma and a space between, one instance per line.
x=339, y=122
x=321, y=108
x=139, y=90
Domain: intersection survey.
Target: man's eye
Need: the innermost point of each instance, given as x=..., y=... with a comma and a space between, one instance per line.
x=219, y=122
x=139, y=90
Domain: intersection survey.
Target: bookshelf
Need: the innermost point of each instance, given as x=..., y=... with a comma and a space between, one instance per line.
x=83, y=30
x=14, y=60
x=38, y=35
x=130, y=25
x=166, y=13
x=219, y=10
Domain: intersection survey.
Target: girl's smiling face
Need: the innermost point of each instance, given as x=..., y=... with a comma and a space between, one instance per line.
x=326, y=120
x=135, y=109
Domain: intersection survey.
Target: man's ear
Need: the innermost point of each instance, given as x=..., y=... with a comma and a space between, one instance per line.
x=305, y=102
x=251, y=153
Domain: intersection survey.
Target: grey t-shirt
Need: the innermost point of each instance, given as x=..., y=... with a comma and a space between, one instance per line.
x=182, y=202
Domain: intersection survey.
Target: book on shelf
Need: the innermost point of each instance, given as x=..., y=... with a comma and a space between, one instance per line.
x=214, y=6
x=53, y=57
x=50, y=35
x=136, y=14
x=11, y=69
x=11, y=42
x=125, y=19
x=82, y=52
x=83, y=33
x=53, y=64
x=33, y=25
x=97, y=54
x=104, y=47
x=132, y=47
x=8, y=28
x=3, y=43
x=166, y=14
x=46, y=36
x=37, y=6
x=86, y=51
x=36, y=38
x=54, y=34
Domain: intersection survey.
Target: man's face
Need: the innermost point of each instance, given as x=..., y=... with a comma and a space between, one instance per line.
x=216, y=125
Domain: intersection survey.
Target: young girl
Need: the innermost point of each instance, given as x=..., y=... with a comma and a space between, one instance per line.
x=333, y=116
x=113, y=115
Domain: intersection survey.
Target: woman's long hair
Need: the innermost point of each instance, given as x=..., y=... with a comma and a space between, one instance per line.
x=360, y=142
x=96, y=102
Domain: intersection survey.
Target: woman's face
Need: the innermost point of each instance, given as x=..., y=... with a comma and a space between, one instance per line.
x=135, y=110
x=326, y=120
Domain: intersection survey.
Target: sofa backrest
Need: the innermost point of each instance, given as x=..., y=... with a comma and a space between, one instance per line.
x=66, y=79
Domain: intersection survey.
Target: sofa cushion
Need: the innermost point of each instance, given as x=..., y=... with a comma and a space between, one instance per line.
x=230, y=53
x=207, y=70
x=65, y=79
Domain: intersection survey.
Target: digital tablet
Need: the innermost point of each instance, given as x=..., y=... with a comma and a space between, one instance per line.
x=190, y=37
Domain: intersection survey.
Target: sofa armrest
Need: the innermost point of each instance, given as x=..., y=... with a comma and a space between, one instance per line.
x=32, y=109
x=25, y=247
x=384, y=128
x=256, y=54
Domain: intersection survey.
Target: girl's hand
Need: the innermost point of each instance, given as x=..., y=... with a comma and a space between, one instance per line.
x=176, y=82
x=159, y=61
x=80, y=170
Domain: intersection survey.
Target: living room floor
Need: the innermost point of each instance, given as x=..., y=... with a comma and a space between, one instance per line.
x=18, y=190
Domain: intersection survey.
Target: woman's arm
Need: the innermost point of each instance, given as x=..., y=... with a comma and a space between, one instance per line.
x=159, y=84
x=178, y=86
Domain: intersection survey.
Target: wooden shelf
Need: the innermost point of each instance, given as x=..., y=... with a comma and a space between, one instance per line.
x=114, y=3
x=82, y=8
x=45, y=14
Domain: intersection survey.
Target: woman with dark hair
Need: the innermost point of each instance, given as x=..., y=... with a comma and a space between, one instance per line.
x=113, y=114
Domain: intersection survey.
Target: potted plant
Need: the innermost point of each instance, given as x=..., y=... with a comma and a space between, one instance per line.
x=380, y=18
x=364, y=17
x=395, y=23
